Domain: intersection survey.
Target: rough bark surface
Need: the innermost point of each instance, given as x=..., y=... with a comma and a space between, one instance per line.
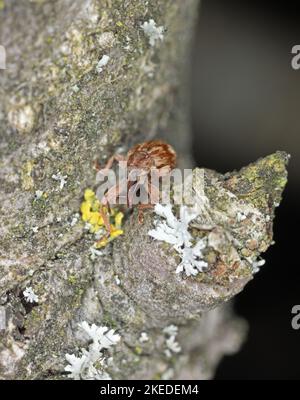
x=58, y=114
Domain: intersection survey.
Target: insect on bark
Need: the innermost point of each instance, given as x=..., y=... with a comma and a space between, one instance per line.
x=142, y=161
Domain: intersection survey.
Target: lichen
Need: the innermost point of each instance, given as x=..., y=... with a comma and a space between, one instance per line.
x=94, y=213
x=261, y=182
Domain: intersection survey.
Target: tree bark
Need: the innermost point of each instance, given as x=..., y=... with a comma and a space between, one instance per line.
x=58, y=115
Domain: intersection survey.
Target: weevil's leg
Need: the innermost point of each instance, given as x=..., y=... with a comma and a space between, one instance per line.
x=110, y=198
x=110, y=161
x=115, y=157
x=105, y=217
x=114, y=193
x=141, y=207
x=153, y=194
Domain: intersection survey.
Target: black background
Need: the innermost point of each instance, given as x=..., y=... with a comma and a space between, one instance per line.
x=246, y=104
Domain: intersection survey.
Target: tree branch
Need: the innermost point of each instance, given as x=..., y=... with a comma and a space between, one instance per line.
x=59, y=113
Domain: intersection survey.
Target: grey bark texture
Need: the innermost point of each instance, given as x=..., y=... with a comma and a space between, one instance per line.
x=58, y=114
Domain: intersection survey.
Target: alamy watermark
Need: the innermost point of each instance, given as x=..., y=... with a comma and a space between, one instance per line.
x=2, y=57
x=131, y=186
x=296, y=319
x=296, y=59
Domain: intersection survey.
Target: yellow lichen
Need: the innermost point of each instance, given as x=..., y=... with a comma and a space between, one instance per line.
x=89, y=195
x=93, y=213
x=118, y=219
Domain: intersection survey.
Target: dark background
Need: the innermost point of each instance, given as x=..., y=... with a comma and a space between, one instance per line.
x=246, y=104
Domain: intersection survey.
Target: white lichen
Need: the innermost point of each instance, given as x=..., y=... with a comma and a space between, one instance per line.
x=77, y=365
x=172, y=346
x=38, y=194
x=75, y=89
x=74, y=219
x=175, y=232
x=257, y=264
x=144, y=337
x=30, y=296
x=95, y=253
x=168, y=374
x=240, y=216
x=117, y=280
x=91, y=364
x=87, y=226
x=101, y=336
x=191, y=259
x=170, y=330
x=101, y=63
x=154, y=33
x=35, y=229
x=61, y=179
x=82, y=368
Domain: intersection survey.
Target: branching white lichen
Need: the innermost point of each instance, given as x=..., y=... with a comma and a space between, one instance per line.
x=171, y=345
x=175, y=232
x=61, y=179
x=170, y=330
x=91, y=364
x=191, y=262
x=100, y=335
x=153, y=32
x=30, y=296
